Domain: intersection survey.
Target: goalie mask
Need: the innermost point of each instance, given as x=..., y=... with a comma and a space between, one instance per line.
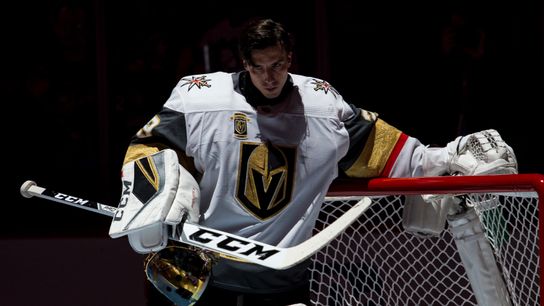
x=181, y=273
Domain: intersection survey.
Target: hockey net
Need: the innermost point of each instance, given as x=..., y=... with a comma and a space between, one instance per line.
x=376, y=262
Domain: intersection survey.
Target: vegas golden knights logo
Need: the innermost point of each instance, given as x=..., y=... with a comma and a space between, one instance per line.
x=240, y=125
x=265, y=178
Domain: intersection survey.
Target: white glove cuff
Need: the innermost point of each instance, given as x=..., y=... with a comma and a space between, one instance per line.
x=151, y=239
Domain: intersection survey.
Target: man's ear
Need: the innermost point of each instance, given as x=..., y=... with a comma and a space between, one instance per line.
x=289, y=58
x=245, y=64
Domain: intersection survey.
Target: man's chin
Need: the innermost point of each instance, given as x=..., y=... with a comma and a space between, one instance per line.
x=271, y=95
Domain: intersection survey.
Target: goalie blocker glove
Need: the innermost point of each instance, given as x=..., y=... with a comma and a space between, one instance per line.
x=157, y=192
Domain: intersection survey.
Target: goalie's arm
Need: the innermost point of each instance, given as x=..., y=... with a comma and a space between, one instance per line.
x=377, y=149
x=480, y=153
x=166, y=130
x=159, y=182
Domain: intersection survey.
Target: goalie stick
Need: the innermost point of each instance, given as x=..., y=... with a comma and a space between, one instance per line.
x=224, y=243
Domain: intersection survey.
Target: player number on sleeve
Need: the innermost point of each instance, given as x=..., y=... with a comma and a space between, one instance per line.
x=146, y=130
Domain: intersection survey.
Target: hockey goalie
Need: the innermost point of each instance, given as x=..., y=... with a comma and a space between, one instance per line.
x=269, y=191
x=253, y=154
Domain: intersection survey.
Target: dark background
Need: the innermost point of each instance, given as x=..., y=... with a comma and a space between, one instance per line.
x=81, y=77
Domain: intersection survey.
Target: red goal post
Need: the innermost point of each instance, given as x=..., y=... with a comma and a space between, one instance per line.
x=375, y=262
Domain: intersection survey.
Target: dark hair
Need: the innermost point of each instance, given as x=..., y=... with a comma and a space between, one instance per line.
x=263, y=33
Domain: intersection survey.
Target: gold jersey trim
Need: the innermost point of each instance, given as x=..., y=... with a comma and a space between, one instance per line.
x=138, y=151
x=378, y=148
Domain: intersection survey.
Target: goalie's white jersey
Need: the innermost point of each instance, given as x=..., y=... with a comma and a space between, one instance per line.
x=264, y=171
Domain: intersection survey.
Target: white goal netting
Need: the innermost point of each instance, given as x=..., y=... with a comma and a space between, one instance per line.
x=375, y=262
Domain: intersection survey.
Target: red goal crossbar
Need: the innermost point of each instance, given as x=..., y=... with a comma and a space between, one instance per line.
x=439, y=185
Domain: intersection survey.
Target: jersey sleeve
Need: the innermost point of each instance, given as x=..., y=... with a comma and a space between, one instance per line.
x=373, y=144
x=167, y=129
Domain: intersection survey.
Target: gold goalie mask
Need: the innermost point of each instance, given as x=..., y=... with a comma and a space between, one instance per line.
x=181, y=273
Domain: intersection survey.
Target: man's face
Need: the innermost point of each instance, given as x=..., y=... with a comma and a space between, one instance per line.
x=269, y=70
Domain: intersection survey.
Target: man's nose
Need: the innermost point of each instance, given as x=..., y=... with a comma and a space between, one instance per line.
x=268, y=75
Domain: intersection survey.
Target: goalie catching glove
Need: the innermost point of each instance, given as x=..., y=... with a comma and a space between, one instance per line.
x=480, y=153
x=157, y=192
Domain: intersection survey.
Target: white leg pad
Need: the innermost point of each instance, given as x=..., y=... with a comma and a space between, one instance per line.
x=478, y=259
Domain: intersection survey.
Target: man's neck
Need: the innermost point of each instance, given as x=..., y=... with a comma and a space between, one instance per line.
x=254, y=97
